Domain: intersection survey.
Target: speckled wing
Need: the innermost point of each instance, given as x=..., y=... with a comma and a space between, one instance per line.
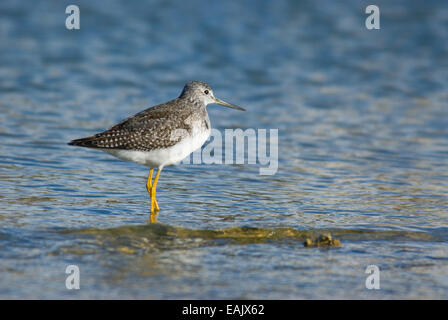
x=151, y=129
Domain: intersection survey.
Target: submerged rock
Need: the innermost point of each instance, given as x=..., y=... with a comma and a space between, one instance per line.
x=323, y=240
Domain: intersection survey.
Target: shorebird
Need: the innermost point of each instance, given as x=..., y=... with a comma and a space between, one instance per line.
x=160, y=135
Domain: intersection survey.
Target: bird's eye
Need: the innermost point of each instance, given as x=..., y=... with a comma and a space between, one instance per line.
x=206, y=91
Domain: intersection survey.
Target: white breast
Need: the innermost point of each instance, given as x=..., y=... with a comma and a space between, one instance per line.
x=167, y=156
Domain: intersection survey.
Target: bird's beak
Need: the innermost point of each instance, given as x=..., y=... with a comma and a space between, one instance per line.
x=225, y=104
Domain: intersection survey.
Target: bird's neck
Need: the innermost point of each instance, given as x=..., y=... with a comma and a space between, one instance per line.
x=194, y=102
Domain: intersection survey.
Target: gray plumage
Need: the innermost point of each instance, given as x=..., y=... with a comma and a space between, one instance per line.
x=153, y=128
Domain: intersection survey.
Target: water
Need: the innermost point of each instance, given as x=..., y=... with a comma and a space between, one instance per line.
x=363, y=127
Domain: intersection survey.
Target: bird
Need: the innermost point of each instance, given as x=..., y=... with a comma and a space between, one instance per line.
x=161, y=135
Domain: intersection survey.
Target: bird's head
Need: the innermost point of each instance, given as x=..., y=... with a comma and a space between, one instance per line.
x=200, y=91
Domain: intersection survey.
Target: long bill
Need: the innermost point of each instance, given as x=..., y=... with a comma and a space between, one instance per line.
x=228, y=105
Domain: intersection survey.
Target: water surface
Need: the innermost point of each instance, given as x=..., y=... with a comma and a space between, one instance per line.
x=363, y=150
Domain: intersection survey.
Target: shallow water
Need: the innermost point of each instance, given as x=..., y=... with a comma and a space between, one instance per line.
x=363, y=150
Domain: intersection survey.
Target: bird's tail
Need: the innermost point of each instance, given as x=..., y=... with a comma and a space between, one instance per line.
x=88, y=142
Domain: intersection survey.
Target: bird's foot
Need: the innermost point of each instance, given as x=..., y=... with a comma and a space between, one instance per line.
x=154, y=210
x=153, y=218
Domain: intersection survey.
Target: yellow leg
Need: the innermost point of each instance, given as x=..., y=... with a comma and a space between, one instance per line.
x=149, y=187
x=153, y=192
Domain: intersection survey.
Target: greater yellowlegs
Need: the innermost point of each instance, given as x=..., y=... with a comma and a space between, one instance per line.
x=161, y=135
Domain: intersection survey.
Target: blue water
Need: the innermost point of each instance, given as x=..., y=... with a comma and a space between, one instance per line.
x=362, y=119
